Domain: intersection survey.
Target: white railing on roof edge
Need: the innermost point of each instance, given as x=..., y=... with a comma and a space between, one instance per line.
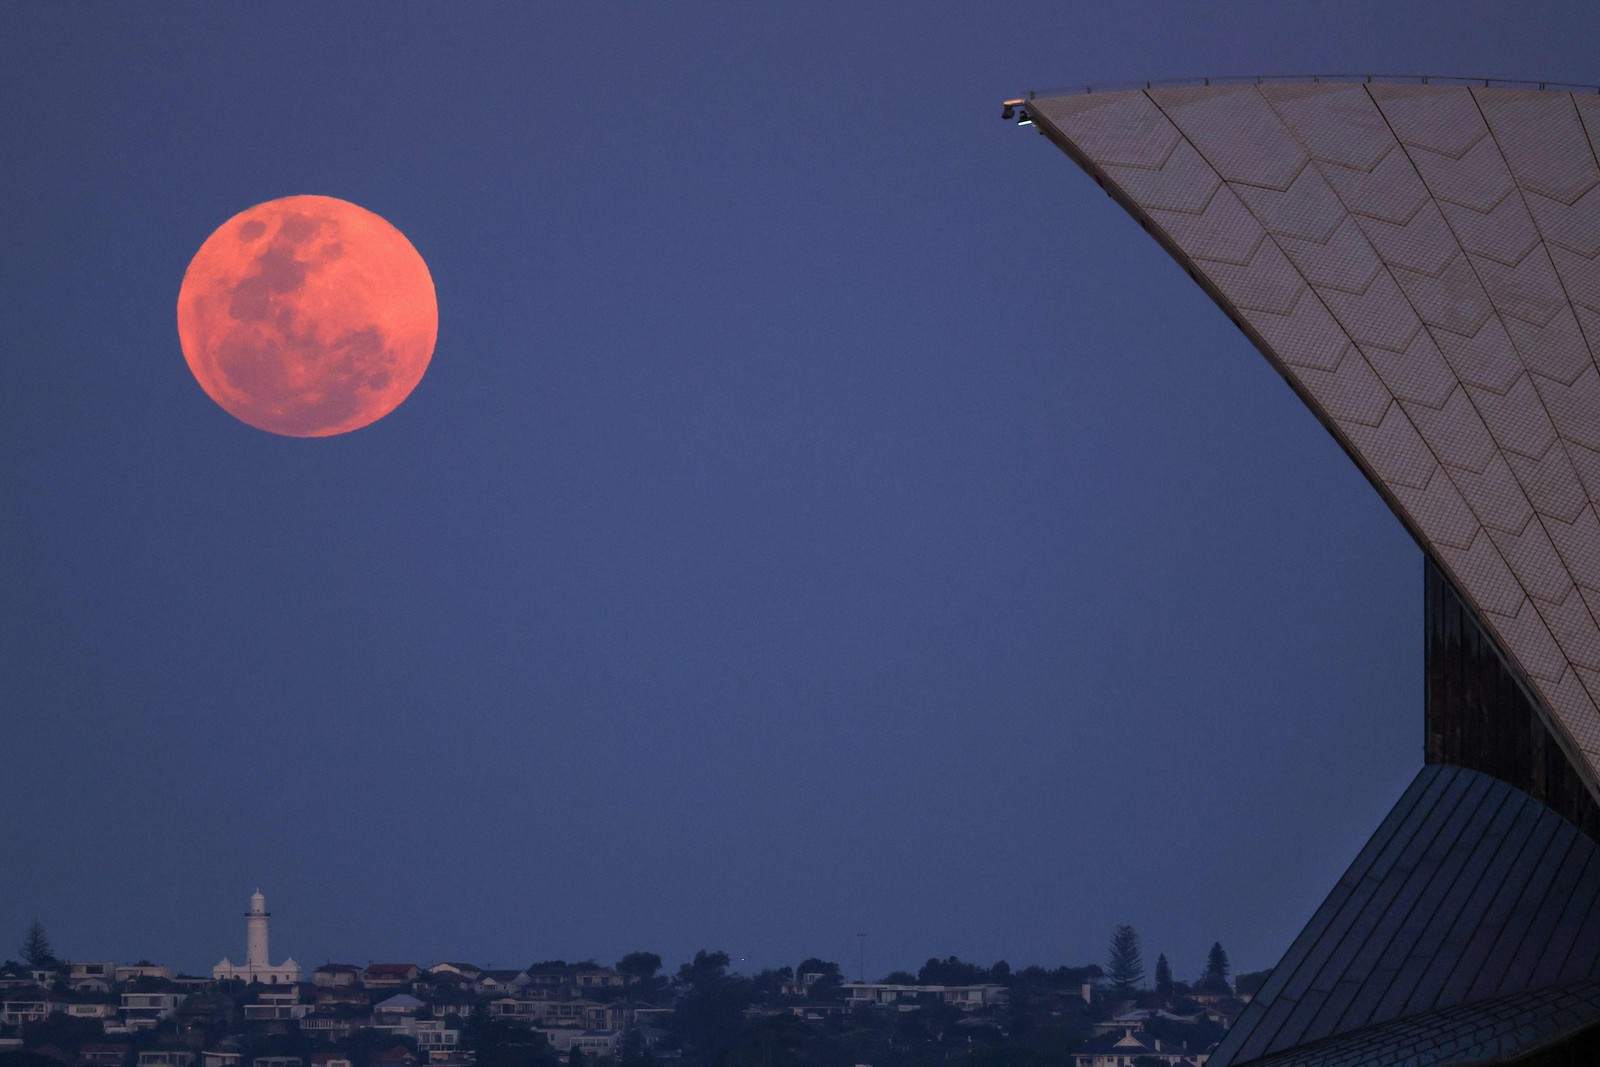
x=1264, y=79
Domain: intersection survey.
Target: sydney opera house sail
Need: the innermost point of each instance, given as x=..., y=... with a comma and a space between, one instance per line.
x=1421, y=262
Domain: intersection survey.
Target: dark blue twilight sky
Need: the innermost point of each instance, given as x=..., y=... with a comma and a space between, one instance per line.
x=826, y=512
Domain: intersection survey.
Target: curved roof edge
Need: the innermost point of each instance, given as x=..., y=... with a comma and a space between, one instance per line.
x=1422, y=265
x=1489, y=1032
x=1470, y=892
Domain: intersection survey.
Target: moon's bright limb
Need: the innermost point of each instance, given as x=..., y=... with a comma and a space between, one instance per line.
x=307, y=316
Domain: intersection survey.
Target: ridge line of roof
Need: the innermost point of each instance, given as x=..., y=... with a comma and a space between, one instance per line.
x=1278, y=79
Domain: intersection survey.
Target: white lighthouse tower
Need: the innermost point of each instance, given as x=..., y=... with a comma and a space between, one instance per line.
x=256, y=936
x=258, y=965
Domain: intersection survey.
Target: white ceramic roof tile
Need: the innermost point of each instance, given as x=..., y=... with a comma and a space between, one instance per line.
x=1309, y=209
x=1335, y=123
x=1575, y=226
x=1576, y=708
x=1238, y=133
x=1516, y=418
x=1224, y=231
x=1529, y=290
x=1580, y=277
x=1391, y=191
x=1381, y=316
x=1439, y=511
x=1494, y=495
x=1424, y=243
x=1588, y=108
x=1345, y=261
x=1504, y=233
x=1394, y=448
x=1551, y=483
x=1454, y=432
x=1542, y=139
x=1419, y=375
x=1350, y=392
x=1591, y=685
x=1555, y=349
x=1541, y=656
x=1484, y=359
x=1446, y=123
x=1578, y=542
x=1483, y=575
x=1533, y=559
x=1453, y=299
x=1572, y=703
x=1114, y=127
x=1478, y=181
x=1573, y=629
x=1475, y=303
x=1575, y=407
x=1587, y=463
x=1306, y=337
x=1268, y=283
x=1588, y=324
x=1183, y=183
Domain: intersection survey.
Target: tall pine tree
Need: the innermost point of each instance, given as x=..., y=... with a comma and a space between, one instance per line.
x=1126, y=968
x=1215, y=980
x=35, y=947
x=1163, y=977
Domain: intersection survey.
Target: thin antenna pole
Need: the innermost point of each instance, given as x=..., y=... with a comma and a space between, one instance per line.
x=861, y=972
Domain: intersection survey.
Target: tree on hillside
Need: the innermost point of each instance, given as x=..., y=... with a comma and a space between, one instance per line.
x=952, y=971
x=646, y=983
x=493, y=1043
x=22, y=1058
x=634, y=1051
x=1215, y=980
x=1060, y=978
x=771, y=1042
x=63, y=1031
x=705, y=969
x=35, y=947
x=711, y=1004
x=640, y=965
x=812, y=965
x=546, y=966
x=828, y=983
x=1163, y=976
x=1126, y=965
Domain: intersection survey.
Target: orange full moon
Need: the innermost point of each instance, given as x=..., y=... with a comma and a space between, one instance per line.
x=307, y=316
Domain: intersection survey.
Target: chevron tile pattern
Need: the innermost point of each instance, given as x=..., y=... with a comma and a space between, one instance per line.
x=1423, y=262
